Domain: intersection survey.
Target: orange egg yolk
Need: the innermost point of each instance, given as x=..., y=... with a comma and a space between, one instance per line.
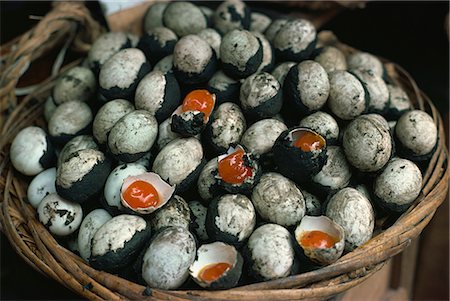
x=232, y=168
x=212, y=272
x=199, y=100
x=317, y=239
x=307, y=141
x=141, y=194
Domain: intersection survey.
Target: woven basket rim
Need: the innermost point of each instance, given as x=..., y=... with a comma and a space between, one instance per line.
x=39, y=249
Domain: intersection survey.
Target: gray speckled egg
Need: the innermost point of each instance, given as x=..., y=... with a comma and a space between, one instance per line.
x=115, y=180
x=307, y=87
x=260, y=136
x=417, y=134
x=224, y=87
x=399, y=102
x=165, y=65
x=313, y=204
x=365, y=61
x=281, y=71
x=274, y=28
x=42, y=185
x=169, y=272
x=133, y=135
x=175, y=212
x=159, y=94
x=295, y=41
x=398, y=185
x=82, y=176
x=107, y=116
x=91, y=223
x=207, y=183
x=199, y=219
x=367, y=143
x=77, y=84
x=117, y=242
x=180, y=162
x=324, y=124
x=184, y=18
x=165, y=133
x=259, y=22
x=278, y=200
x=241, y=53
x=194, y=61
x=154, y=15
x=157, y=43
x=226, y=127
x=31, y=151
x=70, y=119
x=231, y=218
x=261, y=96
x=213, y=38
x=268, y=59
x=105, y=47
x=331, y=59
x=264, y=263
x=376, y=89
x=75, y=144
x=336, y=172
x=61, y=217
x=347, y=98
x=353, y=211
x=120, y=74
x=230, y=15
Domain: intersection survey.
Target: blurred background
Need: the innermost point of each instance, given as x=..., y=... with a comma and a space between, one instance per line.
x=412, y=34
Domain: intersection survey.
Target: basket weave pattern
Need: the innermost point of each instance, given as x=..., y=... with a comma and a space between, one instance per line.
x=40, y=250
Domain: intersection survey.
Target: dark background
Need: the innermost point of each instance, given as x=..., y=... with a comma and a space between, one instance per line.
x=409, y=33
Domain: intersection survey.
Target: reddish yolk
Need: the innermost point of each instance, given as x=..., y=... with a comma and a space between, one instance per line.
x=308, y=141
x=199, y=100
x=317, y=239
x=232, y=168
x=141, y=194
x=213, y=271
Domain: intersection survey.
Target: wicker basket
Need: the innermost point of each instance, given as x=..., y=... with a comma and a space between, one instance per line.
x=39, y=249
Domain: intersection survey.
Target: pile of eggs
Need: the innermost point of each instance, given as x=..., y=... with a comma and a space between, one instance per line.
x=186, y=157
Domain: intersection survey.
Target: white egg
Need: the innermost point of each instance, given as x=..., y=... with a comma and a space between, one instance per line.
x=41, y=185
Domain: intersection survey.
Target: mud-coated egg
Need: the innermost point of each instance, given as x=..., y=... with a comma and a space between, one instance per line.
x=321, y=240
x=158, y=93
x=60, y=216
x=180, y=162
x=116, y=243
x=217, y=266
x=281, y=71
x=398, y=185
x=274, y=28
x=307, y=86
x=77, y=84
x=416, y=134
x=82, y=176
x=230, y=15
x=70, y=119
x=365, y=61
x=31, y=151
x=323, y=124
x=399, y=102
x=300, y=153
x=207, y=184
x=237, y=170
x=121, y=73
x=270, y=253
x=165, y=65
x=259, y=22
x=278, y=200
x=169, y=272
x=268, y=59
x=184, y=18
x=75, y=144
x=226, y=127
x=165, y=133
x=91, y=223
x=213, y=38
x=133, y=135
x=260, y=136
x=330, y=58
x=154, y=15
x=367, y=142
x=175, y=212
x=199, y=212
x=144, y=193
x=42, y=185
x=107, y=116
x=49, y=108
x=231, y=218
x=353, y=212
x=261, y=96
x=376, y=91
x=157, y=43
x=224, y=87
x=313, y=204
x=295, y=41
